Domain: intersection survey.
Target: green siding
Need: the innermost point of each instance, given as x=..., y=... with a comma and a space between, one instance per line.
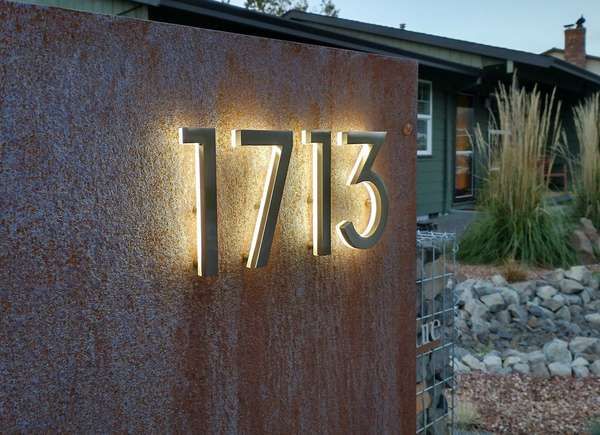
x=107, y=7
x=432, y=170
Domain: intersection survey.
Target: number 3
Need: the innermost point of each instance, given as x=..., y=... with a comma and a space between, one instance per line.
x=362, y=172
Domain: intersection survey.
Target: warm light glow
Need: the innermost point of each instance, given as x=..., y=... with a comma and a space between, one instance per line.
x=282, y=143
x=362, y=173
x=204, y=143
x=321, y=189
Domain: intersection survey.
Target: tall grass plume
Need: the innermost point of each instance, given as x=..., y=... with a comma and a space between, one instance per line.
x=587, y=191
x=515, y=223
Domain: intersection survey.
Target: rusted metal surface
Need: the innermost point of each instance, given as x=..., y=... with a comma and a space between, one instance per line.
x=104, y=323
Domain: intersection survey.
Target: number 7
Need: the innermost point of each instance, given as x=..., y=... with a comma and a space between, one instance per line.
x=282, y=143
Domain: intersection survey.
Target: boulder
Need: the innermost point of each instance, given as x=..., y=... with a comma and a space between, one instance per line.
x=472, y=362
x=498, y=280
x=460, y=367
x=559, y=369
x=522, y=368
x=593, y=319
x=580, y=372
x=493, y=363
x=557, y=351
x=569, y=286
x=580, y=362
x=503, y=316
x=539, y=370
x=495, y=302
x=576, y=311
x=553, y=304
x=595, y=368
x=535, y=357
x=524, y=289
x=518, y=312
x=571, y=299
x=539, y=311
x=580, y=274
x=582, y=344
x=476, y=309
x=585, y=297
x=484, y=288
x=546, y=292
x=510, y=296
x=512, y=360
x=563, y=313
x=554, y=277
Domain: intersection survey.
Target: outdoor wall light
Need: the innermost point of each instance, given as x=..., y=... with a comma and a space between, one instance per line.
x=281, y=141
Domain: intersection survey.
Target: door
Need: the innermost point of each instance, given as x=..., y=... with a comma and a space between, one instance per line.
x=463, y=161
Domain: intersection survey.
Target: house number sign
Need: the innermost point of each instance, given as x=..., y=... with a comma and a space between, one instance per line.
x=204, y=142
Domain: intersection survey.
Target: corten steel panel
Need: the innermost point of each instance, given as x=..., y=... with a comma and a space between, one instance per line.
x=104, y=324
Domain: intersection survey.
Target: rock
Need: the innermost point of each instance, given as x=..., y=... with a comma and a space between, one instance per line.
x=503, y=316
x=546, y=292
x=572, y=299
x=548, y=325
x=512, y=360
x=570, y=287
x=580, y=274
x=484, y=288
x=593, y=318
x=498, y=280
x=510, y=296
x=589, y=229
x=585, y=297
x=472, y=362
x=495, y=302
x=582, y=344
x=539, y=370
x=524, y=289
x=552, y=304
x=460, y=367
x=537, y=356
x=580, y=362
x=493, y=363
x=594, y=283
x=564, y=314
x=554, y=277
x=576, y=311
x=595, y=368
x=557, y=351
x=559, y=369
x=583, y=246
x=522, y=368
x=476, y=309
x=539, y=311
x=580, y=371
x=518, y=313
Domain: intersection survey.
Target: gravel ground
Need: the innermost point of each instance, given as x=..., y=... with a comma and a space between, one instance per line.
x=515, y=404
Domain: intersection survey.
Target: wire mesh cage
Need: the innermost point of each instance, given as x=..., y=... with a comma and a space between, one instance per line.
x=436, y=257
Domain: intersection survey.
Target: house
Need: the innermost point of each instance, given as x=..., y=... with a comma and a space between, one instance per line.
x=574, y=51
x=456, y=86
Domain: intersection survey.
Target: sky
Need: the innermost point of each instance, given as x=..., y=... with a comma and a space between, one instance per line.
x=529, y=25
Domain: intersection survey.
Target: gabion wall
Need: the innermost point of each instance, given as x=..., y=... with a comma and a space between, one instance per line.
x=435, y=332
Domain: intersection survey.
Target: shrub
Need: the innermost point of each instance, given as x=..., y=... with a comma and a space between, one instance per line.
x=515, y=223
x=514, y=272
x=587, y=127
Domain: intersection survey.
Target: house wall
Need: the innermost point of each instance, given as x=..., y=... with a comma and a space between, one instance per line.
x=108, y=7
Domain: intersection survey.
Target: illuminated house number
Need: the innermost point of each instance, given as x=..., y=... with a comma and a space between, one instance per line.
x=204, y=142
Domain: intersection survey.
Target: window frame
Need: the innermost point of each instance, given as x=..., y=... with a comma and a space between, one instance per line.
x=428, y=118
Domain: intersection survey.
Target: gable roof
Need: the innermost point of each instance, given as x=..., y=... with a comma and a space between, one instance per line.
x=523, y=57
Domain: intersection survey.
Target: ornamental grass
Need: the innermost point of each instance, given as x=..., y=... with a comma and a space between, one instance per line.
x=515, y=222
x=587, y=191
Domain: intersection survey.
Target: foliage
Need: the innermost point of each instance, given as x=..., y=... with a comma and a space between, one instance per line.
x=516, y=223
x=514, y=272
x=587, y=127
x=280, y=7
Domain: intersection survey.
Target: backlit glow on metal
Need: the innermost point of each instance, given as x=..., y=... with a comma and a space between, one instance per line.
x=204, y=142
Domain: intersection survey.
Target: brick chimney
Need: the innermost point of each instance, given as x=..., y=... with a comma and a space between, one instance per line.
x=575, y=46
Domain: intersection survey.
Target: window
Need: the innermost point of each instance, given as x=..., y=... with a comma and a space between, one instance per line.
x=424, y=118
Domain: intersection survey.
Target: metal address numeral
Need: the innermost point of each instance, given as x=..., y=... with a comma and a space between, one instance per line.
x=282, y=143
x=362, y=172
x=321, y=189
x=204, y=143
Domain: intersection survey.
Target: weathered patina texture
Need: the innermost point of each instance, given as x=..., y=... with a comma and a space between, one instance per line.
x=104, y=325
